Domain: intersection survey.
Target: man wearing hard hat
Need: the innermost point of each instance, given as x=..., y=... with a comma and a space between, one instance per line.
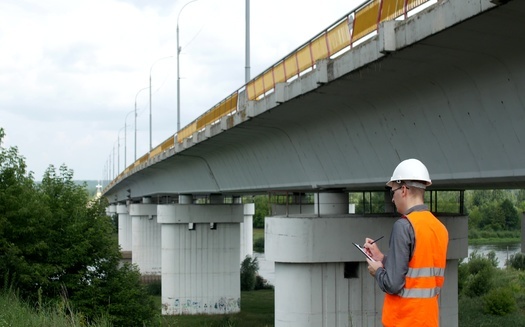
x=412, y=272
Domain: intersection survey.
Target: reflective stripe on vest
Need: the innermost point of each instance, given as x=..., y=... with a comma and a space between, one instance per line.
x=425, y=272
x=419, y=292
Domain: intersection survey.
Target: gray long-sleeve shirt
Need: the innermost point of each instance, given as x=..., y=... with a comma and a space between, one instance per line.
x=391, y=278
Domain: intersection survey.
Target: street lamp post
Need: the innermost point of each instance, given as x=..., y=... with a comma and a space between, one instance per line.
x=118, y=148
x=151, y=68
x=247, y=68
x=178, y=69
x=125, y=139
x=136, y=95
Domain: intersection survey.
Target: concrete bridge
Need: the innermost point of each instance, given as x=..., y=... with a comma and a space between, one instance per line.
x=331, y=120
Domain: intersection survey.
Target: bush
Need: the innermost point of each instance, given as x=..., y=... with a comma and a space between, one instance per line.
x=478, y=284
x=154, y=288
x=261, y=283
x=499, y=301
x=475, y=278
x=517, y=261
x=249, y=269
x=473, y=233
x=258, y=245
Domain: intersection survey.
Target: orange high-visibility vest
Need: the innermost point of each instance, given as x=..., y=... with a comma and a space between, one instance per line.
x=417, y=303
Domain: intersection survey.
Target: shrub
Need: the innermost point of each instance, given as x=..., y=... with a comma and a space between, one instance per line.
x=154, y=288
x=517, y=261
x=499, y=301
x=478, y=284
x=261, y=283
x=475, y=278
x=473, y=233
x=249, y=268
x=258, y=245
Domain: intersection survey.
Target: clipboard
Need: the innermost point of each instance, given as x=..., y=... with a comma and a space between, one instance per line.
x=363, y=251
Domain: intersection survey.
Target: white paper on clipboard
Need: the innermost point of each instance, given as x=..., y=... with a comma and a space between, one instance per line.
x=363, y=251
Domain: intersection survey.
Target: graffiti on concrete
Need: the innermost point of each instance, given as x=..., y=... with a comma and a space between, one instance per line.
x=189, y=306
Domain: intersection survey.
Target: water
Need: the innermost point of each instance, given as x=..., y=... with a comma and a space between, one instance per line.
x=503, y=252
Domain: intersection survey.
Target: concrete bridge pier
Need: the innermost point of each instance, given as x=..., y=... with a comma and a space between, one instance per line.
x=310, y=288
x=200, y=256
x=145, y=239
x=322, y=280
x=111, y=210
x=124, y=230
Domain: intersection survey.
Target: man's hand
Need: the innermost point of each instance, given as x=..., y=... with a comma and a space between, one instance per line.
x=373, y=266
x=373, y=250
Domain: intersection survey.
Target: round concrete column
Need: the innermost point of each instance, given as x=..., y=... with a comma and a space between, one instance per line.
x=185, y=199
x=146, y=237
x=330, y=203
x=247, y=231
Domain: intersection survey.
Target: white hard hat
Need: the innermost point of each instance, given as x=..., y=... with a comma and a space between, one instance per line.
x=411, y=170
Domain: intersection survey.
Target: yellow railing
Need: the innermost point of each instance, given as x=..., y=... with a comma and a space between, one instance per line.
x=342, y=34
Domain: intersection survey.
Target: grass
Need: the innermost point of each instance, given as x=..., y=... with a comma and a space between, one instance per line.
x=257, y=310
x=16, y=313
x=471, y=315
x=258, y=233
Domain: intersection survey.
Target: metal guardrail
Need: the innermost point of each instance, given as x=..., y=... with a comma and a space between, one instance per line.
x=341, y=35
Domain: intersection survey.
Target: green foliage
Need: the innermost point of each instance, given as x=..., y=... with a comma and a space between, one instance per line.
x=15, y=312
x=510, y=213
x=261, y=283
x=475, y=278
x=444, y=201
x=517, y=261
x=154, y=288
x=258, y=245
x=119, y=294
x=262, y=210
x=249, y=269
x=499, y=301
x=368, y=202
x=56, y=243
x=471, y=314
x=493, y=210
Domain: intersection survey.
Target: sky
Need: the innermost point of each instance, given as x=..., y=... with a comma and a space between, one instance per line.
x=72, y=72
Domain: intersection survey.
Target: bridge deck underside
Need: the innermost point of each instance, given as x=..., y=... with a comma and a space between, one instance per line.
x=455, y=100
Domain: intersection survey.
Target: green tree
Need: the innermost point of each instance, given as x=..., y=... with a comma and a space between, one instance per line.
x=261, y=210
x=249, y=269
x=510, y=214
x=492, y=217
x=55, y=242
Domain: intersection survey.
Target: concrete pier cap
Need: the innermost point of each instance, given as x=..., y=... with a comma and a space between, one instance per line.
x=308, y=238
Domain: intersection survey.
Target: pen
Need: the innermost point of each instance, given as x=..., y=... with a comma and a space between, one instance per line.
x=376, y=240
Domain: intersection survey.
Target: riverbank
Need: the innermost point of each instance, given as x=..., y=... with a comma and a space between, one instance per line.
x=493, y=240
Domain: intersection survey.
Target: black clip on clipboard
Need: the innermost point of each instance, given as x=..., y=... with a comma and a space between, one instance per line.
x=363, y=251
